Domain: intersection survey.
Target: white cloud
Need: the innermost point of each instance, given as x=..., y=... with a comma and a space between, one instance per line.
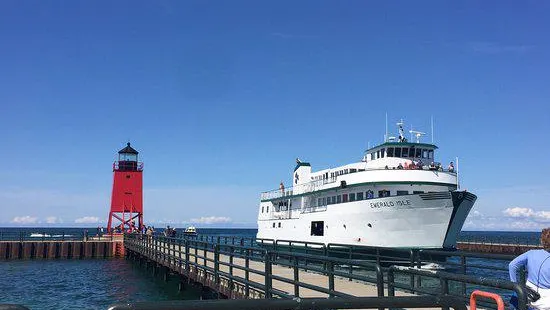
x=53, y=220
x=211, y=220
x=87, y=220
x=527, y=213
x=25, y=219
x=518, y=212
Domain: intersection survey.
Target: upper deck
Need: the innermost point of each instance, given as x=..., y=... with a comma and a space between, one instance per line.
x=349, y=177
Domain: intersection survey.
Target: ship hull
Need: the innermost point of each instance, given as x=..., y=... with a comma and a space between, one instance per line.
x=425, y=221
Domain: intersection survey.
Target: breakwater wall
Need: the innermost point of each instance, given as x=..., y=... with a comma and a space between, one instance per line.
x=496, y=248
x=61, y=249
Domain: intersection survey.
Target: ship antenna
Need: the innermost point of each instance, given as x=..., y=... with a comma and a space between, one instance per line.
x=432, y=129
x=417, y=134
x=386, y=135
x=457, y=180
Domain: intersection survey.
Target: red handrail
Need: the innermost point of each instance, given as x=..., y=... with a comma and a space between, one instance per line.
x=496, y=297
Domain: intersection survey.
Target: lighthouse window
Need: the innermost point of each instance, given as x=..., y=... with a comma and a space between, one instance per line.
x=397, y=152
x=390, y=152
x=352, y=197
x=405, y=152
x=418, y=153
x=360, y=196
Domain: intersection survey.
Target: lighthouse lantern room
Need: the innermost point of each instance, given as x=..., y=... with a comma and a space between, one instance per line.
x=126, y=212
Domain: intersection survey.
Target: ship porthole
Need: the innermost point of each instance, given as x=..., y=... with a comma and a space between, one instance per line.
x=369, y=225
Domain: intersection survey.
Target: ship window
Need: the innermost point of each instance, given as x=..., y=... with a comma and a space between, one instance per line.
x=369, y=194
x=390, y=152
x=418, y=153
x=352, y=170
x=397, y=152
x=267, y=209
x=346, y=171
x=431, y=154
x=383, y=193
x=382, y=152
x=273, y=225
x=424, y=153
x=378, y=154
x=329, y=201
x=372, y=156
x=401, y=193
x=360, y=196
x=345, y=198
x=405, y=152
x=339, y=199
x=352, y=197
x=411, y=152
x=333, y=199
x=317, y=228
x=324, y=201
x=279, y=225
x=418, y=192
x=319, y=202
x=262, y=209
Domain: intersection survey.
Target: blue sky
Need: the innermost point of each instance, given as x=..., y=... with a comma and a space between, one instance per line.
x=220, y=97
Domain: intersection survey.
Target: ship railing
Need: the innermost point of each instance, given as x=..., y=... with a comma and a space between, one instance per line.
x=316, y=184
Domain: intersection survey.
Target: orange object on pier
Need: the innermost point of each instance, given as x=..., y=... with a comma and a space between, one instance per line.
x=495, y=297
x=126, y=212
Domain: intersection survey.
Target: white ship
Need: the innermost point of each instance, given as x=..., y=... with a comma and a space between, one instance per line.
x=396, y=196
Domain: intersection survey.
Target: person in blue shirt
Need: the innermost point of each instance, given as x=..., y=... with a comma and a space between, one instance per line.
x=537, y=264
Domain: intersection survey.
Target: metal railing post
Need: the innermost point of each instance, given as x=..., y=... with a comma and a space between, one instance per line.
x=268, y=279
x=246, y=273
x=391, y=282
x=186, y=244
x=296, y=278
x=444, y=290
x=330, y=279
x=216, y=264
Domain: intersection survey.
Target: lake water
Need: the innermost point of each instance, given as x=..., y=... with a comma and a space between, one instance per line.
x=98, y=283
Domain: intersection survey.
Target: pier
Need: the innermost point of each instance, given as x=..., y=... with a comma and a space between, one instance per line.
x=241, y=268
x=61, y=248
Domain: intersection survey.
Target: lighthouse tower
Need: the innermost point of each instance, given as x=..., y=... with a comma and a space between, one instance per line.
x=127, y=198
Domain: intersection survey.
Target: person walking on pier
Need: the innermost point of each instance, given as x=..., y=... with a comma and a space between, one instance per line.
x=537, y=264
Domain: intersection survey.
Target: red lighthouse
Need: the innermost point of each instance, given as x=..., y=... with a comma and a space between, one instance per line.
x=127, y=197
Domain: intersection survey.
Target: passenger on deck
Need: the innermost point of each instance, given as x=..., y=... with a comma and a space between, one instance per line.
x=400, y=166
x=432, y=166
x=537, y=263
x=419, y=165
x=451, y=167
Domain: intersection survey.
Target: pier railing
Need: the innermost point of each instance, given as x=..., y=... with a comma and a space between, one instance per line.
x=201, y=255
x=301, y=303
